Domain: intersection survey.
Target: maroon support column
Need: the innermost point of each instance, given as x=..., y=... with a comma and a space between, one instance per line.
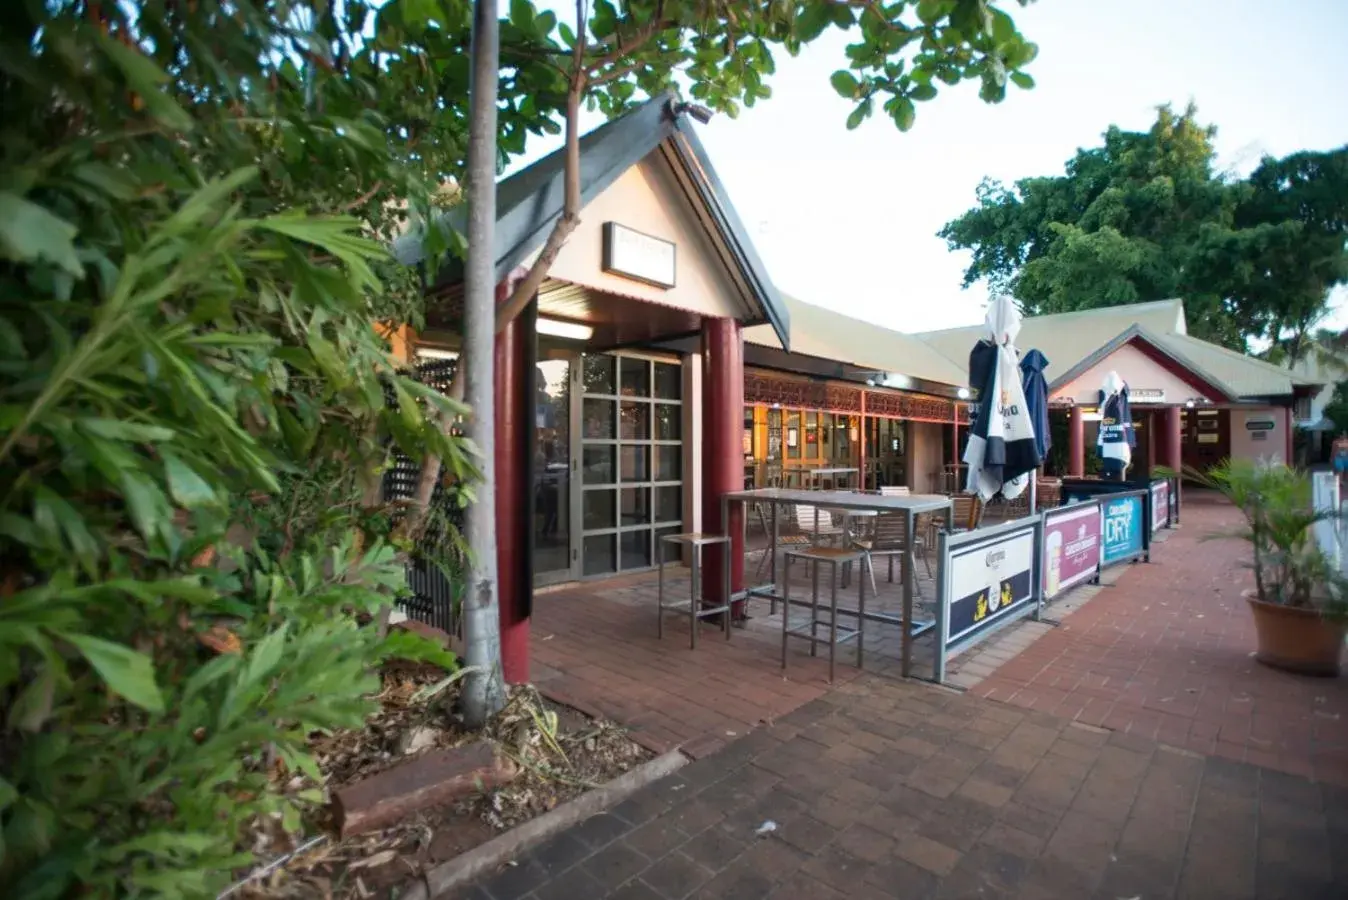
x=1076, y=443
x=1174, y=453
x=514, y=493
x=722, y=453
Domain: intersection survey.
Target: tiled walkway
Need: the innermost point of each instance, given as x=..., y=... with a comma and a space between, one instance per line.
x=1165, y=653
x=895, y=789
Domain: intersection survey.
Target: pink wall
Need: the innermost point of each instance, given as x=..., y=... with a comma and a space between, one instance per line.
x=1134, y=367
x=1244, y=442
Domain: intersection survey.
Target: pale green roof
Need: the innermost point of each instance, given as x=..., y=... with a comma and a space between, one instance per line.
x=1070, y=340
x=823, y=333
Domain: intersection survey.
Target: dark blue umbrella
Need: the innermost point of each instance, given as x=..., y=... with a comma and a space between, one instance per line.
x=1032, y=367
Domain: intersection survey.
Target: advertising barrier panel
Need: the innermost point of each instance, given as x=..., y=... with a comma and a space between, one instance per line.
x=1121, y=528
x=988, y=580
x=1071, y=547
x=1160, y=504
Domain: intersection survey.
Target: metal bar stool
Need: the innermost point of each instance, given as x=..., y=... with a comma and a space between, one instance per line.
x=833, y=556
x=696, y=541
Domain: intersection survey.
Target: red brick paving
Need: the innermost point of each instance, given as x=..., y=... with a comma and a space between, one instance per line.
x=1165, y=654
x=595, y=648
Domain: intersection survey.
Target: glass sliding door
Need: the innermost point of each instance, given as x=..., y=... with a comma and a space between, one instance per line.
x=553, y=556
x=631, y=485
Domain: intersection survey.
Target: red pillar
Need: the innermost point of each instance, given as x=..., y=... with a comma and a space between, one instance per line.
x=514, y=493
x=1076, y=443
x=1174, y=452
x=722, y=454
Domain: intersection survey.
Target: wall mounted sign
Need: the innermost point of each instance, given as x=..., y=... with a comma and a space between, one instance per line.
x=1209, y=438
x=1146, y=395
x=632, y=254
x=1260, y=425
x=1071, y=548
x=989, y=580
x=1259, y=436
x=1121, y=528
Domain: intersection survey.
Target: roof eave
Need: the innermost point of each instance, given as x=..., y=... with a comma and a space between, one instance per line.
x=1131, y=333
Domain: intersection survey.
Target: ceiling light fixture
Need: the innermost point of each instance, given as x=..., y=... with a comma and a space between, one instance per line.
x=570, y=330
x=962, y=393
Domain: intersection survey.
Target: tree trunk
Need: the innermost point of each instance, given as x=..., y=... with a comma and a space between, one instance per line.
x=484, y=688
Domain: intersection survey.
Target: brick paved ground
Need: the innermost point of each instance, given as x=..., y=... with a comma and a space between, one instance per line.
x=895, y=789
x=1165, y=653
x=595, y=647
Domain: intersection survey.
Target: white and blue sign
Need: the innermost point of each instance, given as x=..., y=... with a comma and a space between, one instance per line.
x=1121, y=525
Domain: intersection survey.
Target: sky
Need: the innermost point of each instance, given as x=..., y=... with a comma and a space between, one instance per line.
x=848, y=220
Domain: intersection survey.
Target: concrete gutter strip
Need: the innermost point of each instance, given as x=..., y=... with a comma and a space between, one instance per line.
x=468, y=867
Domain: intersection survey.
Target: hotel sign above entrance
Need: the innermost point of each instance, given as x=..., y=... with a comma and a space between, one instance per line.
x=632, y=254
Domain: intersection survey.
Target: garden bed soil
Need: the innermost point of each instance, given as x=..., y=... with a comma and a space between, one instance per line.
x=407, y=725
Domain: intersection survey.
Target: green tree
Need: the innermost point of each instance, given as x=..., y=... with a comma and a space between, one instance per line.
x=194, y=199
x=1147, y=217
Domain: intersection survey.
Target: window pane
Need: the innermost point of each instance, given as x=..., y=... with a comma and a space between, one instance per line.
x=636, y=377
x=635, y=463
x=599, y=375
x=668, y=422
x=668, y=381
x=598, y=462
x=599, y=556
x=598, y=415
x=636, y=421
x=668, y=463
x=668, y=503
x=671, y=551
x=636, y=506
x=598, y=509
x=636, y=549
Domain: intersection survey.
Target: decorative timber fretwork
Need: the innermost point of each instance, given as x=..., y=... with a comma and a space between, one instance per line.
x=844, y=398
x=789, y=392
x=794, y=393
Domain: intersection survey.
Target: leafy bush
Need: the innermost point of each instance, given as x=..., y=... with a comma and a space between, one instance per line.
x=194, y=426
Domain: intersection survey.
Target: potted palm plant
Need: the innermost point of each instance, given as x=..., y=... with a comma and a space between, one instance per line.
x=1298, y=602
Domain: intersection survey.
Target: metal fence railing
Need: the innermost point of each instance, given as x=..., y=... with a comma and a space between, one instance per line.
x=434, y=597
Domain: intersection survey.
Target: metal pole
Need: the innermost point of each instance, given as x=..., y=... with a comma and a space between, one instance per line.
x=908, y=560
x=942, y=620
x=1037, y=568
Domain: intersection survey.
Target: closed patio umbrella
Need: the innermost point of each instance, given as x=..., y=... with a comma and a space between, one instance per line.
x=1002, y=447
x=1032, y=366
x=1116, y=438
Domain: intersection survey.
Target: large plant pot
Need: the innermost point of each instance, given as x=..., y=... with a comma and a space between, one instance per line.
x=1297, y=640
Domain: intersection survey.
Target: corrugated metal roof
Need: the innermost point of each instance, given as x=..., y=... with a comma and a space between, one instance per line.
x=1244, y=375
x=1067, y=339
x=826, y=334
x=1064, y=338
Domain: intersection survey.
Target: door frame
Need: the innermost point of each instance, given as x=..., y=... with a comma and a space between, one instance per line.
x=572, y=571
